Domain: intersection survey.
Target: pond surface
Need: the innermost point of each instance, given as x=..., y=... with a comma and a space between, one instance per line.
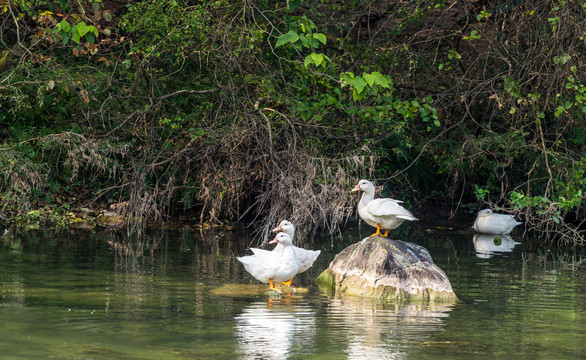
x=182, y=295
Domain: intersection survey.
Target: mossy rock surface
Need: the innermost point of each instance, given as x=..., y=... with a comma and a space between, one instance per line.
x=386, y=269
x=249, y=290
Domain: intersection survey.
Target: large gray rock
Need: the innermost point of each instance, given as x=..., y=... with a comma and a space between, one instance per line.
x=388, y=269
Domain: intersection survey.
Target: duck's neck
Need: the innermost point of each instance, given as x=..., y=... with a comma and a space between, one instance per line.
x=366, y=198
x=288, y=254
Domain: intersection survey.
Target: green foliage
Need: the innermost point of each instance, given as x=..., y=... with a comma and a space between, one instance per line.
x=480, y=193
x=369, y=84
x=178, y=104
x=474, y=35
x=76, y=32
x=483, y=15
x=306, y=39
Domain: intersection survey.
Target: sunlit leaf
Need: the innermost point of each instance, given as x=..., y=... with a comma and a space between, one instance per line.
x=369, y=78
x=317, y=58
x=75, y=35
x=359, y=84
x=380, y=79
x=82, y=28
x=320, y=37
x=347, y=78
x=291, y=37
x=308, y=61
x=65, y=25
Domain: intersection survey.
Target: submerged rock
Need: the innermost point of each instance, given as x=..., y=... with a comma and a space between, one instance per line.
x=108, y=219
x=386, y=269
x=245, y=290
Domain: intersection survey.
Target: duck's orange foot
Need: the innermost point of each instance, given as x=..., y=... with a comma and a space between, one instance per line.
x=272, y=286
x=288, y=283
x=377, y=233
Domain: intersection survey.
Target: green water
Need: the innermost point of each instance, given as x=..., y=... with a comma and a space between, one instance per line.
x=81, y=295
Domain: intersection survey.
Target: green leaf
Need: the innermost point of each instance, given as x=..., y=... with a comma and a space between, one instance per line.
x=369, y=78
x=320, y=37
x=308, y=61
x=90, y=38
x=380, y=79
x=314, y=43
x=359, y=84
x=317, y=58
x=292, y=4
x=291, y=37
x=82, y=28
x=66, y=38
x=347, y=78
x=556, y=219
x=65, y=25
x=304, y=41
x=75, y=35
x=250, y=79
x=93, y=30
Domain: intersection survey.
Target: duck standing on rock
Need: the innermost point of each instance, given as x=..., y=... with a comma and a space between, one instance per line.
x=306, y=257
x=381, y=213
x=487, y=222
x=270, y=266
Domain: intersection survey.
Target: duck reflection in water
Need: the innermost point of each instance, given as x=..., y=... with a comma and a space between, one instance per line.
x=275, y=329
x=487, y=245
x=382, y=330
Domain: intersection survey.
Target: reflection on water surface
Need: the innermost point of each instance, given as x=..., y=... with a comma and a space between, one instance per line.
x=487, y=245
x=102, y=296
x=275, y=328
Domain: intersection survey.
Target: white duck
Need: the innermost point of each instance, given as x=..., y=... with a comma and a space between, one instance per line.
x=488, y=222
x=306, y=257
x=380, y=213
x=269, y=266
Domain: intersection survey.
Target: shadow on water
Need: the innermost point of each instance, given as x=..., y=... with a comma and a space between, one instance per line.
x=104, y=295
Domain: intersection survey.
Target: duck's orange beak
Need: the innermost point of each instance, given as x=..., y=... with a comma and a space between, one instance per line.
x=274, y=241
x=357, y=188
x=278, y=228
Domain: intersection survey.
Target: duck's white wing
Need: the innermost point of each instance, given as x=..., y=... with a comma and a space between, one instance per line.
x=389, y=207
x=306, y=258
x=261, y=265
x=267, y=259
